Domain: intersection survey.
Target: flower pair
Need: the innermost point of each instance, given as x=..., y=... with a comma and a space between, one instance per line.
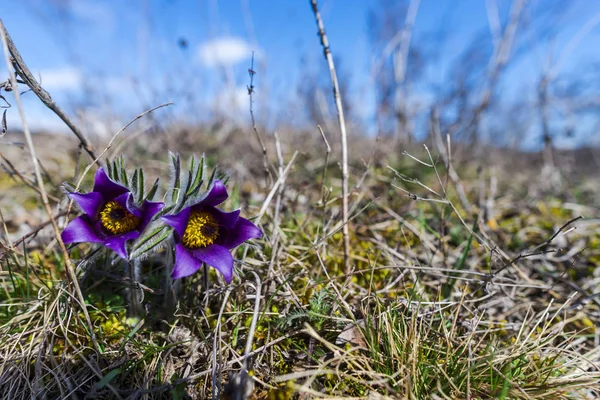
x=202, y=232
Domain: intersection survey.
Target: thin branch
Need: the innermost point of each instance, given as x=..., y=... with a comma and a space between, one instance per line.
x=250, y=88
x=35, y=231
x=25, y=74
x=23, y=179
x=276, y=218
x=446, y=153
x=280, y=180
x=530, y=253
x=342, y=124
x=38, y=174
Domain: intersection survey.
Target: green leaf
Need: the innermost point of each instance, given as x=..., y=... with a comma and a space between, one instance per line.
x=130, y=335
x=192, y=163
x=134, y=184
x=152, y=191
x=460, y=265
x=123, y=172
x=198, y=178
x=115, y=168
x=212, y=177
x=176, y=159
x=149, y=241
x=187, y=186
x=141, y=185
x=107, y=378
x=68, y=187
x=109, y=169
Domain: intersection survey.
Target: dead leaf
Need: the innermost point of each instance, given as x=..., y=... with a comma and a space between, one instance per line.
x=353, y=335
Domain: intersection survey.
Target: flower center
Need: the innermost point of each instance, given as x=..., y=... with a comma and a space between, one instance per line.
x=115, y=219
x=202, y=230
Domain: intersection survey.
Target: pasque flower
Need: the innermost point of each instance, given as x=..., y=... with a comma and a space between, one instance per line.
x=110, y=215
x=203, y=233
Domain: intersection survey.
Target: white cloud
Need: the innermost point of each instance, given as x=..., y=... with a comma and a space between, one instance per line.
x=93, y=12
x=118, y=84
x=64, y=78
x=224, y=51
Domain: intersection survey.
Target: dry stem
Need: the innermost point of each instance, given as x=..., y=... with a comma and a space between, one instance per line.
x=251, y=72
x=342, y=123
x=38, y=175
x=25, y=74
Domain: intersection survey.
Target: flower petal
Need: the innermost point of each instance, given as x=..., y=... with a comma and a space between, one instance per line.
x=226, y=219
x=217, y=194
x=117, y=243
x=185, y=263
x=81, y=230
x=106, y=187
x=178, y=221
x=217, y=257
x=125, y=200
x=149, y=210
x=89, y=203
x=242, y=231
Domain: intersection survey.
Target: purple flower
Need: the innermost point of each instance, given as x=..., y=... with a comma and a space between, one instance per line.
x=203, y=233
x=110, y=217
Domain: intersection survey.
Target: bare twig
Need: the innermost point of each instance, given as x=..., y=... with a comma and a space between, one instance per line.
x=280, y=180
x=25, y=74
x=342, y=124
x=38, y=174
x=401, y=39
x=231, y=362
x=250, y=88
x=35, y=231
x=502, y=49
x=23, y=179
x=531, y=252
x=446, y=153
x=276, y=218
x=399, y=66
x=586, y=29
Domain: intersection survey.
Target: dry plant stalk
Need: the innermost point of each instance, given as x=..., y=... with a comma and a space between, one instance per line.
x=344, y=139
x=503, y=44
x=44, y=196
x=29, y=80
x=251, y=73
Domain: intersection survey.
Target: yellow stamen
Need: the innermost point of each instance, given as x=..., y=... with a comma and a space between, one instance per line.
x=116, y=219
x=202, y=230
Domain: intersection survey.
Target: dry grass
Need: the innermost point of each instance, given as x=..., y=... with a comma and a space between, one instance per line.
x=433, y=307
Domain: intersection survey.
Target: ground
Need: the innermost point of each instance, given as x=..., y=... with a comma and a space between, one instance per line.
x=474, y=278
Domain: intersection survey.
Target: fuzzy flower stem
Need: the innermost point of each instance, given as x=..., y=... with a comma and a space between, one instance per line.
x=170, y=287
x=135, y=300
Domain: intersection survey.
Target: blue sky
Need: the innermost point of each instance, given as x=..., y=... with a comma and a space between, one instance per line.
x=106, y=61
